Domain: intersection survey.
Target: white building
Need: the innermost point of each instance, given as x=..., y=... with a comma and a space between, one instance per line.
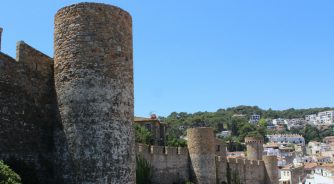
x=279, y=121
x=321, y=175
x=295, y=123
x=291, y=174
x=316, y=148
x=284, y=139
x=224, y=134
x=254, y=119
x=322, y=118
x=326, y=117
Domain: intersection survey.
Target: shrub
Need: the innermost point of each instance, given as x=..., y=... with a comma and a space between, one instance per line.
x=7, y=175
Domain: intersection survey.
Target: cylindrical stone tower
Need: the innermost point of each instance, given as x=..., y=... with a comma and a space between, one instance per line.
x=201, y=146
x=270, y=163
x=94, y=85
x=254, y=148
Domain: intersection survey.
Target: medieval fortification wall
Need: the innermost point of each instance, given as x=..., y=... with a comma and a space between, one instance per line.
x=26, y=117
x=176, y=165
x=70, y=120
x=170, y=164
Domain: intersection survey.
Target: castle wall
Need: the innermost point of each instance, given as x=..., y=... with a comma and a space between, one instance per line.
x=94, y=86
x=270, y=162
x=170, y=164
x=248, y=171
x=26, y=105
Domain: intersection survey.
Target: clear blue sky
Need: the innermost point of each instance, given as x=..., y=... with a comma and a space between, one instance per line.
x=195, y=55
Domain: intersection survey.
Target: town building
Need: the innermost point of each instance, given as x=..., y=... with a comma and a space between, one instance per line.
x=328, y=140
x=322, y=118
x=320, y=174
x=315, y=148
x=223, y=134
x=156, y=127
x=285, y=139
x=291, y=174
x=254, y=119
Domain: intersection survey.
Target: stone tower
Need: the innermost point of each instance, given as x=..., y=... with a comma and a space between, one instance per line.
x=270, y=163
x=94, y=85
x=201, y=146
x=254, y=147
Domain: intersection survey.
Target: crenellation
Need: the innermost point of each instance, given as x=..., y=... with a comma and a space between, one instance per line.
x=142, y=148
x=232, y=160
x=171, y=150
x=182, y=151
x=158, y=150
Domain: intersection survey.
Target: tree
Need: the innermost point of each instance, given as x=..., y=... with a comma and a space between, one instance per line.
x=263, y=123
x=311, y=133
x=7, y=175
x=142, y=135
x=173, y=137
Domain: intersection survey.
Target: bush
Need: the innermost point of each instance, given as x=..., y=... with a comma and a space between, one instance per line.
x=142, y=134
x=7, y=175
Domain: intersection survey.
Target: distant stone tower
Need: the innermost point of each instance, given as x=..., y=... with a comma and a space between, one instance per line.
x=254, y=147
x=94, y=85
x=201, y=146
x=270, y=162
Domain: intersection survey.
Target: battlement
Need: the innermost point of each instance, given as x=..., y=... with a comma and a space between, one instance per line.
x=27, y=57
x=160, y=150
x=254, y=140
x=245, y=161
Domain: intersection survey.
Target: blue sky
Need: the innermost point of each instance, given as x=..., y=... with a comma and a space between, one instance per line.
x=195, y=55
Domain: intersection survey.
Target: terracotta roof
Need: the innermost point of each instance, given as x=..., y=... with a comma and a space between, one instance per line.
x=310, y=165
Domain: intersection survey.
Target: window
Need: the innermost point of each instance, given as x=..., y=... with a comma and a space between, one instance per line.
x=148, y=126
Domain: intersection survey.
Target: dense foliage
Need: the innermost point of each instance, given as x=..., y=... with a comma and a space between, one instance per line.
x=7, y=175
x=142, y=135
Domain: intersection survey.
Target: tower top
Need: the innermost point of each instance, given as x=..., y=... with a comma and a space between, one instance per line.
x=254, y=139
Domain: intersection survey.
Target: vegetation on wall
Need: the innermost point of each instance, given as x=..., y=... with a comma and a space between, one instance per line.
x=232, y=176
x=7, y=175
x=144, y=170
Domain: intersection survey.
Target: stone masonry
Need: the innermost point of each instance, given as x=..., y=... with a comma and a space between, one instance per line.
x=94, y=85
x=201, y=145
x=254, y=147
x=70, y=121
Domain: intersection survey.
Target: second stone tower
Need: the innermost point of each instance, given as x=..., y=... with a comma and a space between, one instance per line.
x=94, y=85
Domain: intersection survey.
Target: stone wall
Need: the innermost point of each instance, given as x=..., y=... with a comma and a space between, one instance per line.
x=248, y=171
x=26, y=112
x=170, y=164
x=94, y=86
